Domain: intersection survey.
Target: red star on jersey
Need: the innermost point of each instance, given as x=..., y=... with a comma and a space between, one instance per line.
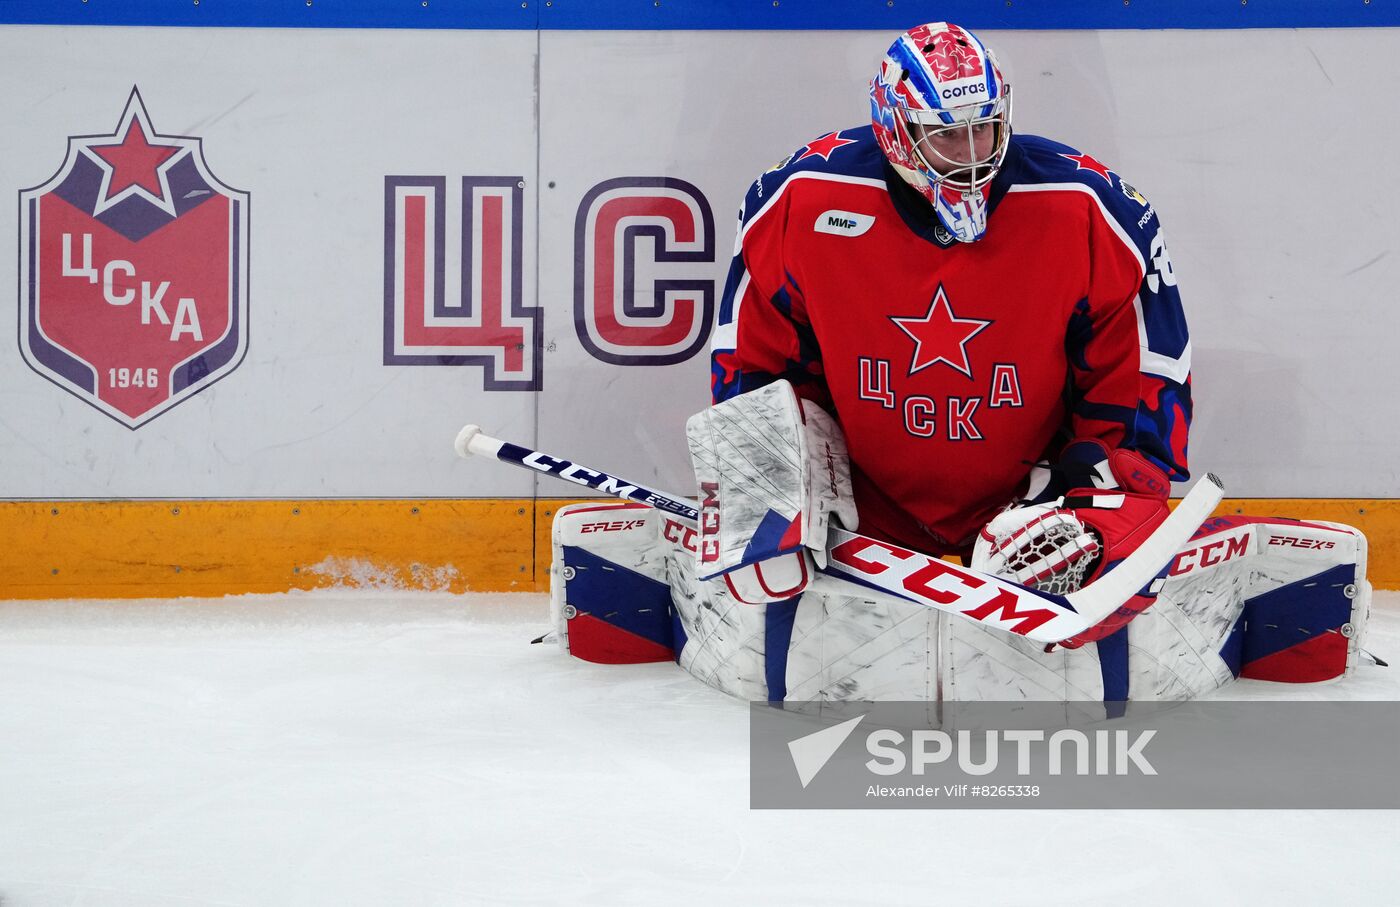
x=134, y=162
x=824, y=146
x=1085, y=162
x=940, y=336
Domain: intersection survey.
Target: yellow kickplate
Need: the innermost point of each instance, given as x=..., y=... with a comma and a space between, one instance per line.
x=141, y=549
x=1378, y=518
x=156, y=549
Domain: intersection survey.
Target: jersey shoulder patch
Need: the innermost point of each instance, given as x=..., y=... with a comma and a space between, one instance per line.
x=1043, y=161
x=850, y=155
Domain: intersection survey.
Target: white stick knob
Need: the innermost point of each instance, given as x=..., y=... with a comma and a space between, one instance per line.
x=464, y=440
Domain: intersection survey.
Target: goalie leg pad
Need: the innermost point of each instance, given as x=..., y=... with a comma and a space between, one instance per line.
x=623, y=591
x=609, y=600
x=1295, y=593
x=1299, y=633
x=1264, y=599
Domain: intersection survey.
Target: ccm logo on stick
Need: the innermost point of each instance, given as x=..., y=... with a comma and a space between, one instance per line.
x=580, y=475
x=931, y=579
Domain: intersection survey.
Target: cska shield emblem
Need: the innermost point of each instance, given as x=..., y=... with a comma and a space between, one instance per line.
x=133, y=271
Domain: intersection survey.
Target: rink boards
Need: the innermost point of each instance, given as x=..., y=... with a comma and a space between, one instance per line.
x=141, y=549
x=364, y=237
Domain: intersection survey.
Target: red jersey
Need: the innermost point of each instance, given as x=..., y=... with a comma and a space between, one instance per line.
x=955, y=368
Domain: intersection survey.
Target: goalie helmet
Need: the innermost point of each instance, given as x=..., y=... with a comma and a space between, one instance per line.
x=942, y=115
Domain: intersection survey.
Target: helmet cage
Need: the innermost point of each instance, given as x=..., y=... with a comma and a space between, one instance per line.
x=926, y=130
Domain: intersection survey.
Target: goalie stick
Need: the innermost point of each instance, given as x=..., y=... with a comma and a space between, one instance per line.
x=913, y=575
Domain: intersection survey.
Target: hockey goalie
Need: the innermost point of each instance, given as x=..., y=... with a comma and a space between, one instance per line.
x=968, y=343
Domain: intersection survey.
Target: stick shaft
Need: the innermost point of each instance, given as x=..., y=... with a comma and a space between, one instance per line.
x=569, y=471
x=913, y=576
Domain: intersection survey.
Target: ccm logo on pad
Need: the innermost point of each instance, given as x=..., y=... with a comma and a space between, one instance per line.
x=843, y=223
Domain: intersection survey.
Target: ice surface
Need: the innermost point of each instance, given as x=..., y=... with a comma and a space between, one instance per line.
x=380, y=748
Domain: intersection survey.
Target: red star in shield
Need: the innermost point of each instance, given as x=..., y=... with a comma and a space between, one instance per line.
x=940, y=336
x=824, y=146
x=1085, y=162
x=134, y=162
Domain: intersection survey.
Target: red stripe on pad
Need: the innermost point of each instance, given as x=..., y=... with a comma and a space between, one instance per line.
x=1321, y=658
x=600, y=642
x=792, y=538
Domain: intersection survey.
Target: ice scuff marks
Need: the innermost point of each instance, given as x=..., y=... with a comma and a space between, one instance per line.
x=362, y=573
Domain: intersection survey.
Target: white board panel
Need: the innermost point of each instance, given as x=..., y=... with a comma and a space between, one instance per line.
x=1259, y=148
x=1263, y=150
x=310, y=124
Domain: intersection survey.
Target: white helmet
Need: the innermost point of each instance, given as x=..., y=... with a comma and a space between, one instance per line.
x=942, y=115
